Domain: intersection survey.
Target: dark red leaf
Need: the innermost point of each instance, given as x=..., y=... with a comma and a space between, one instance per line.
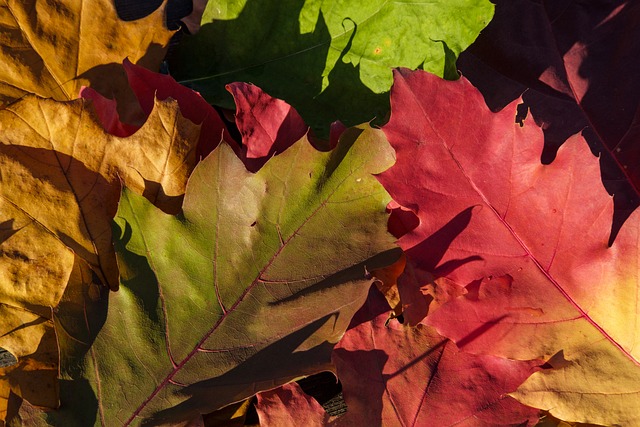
x=396, y=375
x=578, y=61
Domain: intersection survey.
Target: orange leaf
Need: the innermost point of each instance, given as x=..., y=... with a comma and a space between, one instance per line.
x=55, y=48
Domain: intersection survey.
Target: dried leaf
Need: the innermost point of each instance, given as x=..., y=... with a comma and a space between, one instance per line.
x=61, y=178
x=61, y=150
x=52, y=49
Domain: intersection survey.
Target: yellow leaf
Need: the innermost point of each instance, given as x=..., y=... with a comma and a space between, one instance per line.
x=60, y=180
x=53, y=48
x=567, y=392
x=62, y=171
x=34, y=378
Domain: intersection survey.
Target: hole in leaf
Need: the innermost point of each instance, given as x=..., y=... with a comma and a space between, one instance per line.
x=326, y=390
x=521, y=113
x=6, y=358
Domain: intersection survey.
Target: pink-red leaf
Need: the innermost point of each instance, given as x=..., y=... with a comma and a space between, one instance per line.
x=396, y=375
x=577, y=61
x=148, y=86
x=267, y=124
x=489, y=209
x=107, y=112
x=288, y=405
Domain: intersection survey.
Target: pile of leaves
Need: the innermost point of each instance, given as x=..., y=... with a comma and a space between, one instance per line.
x=317, y=187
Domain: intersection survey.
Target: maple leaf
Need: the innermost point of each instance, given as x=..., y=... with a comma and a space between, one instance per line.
x=30, y=343
x=528, y=240
x=61, y=180
x=288, y=405
x=386, y=282
x=247, y=276
x=149, y=86
x=330, y=59
x=395, y=375
x=264, y=120
x=268, y=125
x=61, y=149
x=576, y=62
x=107, y=113
x=56, y=48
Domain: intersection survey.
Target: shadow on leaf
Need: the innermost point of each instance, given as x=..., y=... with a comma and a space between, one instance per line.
x=282, y=61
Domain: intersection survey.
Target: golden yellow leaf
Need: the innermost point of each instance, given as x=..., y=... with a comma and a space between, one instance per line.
x=53, y=48
x=548, y=420
x=60, y=181
x=34, y=270
x=61, y=170
x=567, y=390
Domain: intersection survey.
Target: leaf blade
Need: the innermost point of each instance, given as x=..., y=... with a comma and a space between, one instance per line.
x=257, y=303
x=528, y=240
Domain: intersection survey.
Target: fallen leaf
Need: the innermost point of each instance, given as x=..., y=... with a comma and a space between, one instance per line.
x=62, y=151
x=386, y=282
x=107, y=112
x=34, y=377
x=528, y=240
x=396, y=375
x=61, y=179
x=288, y=405
x=267, y=124
x=576, y=61
x=55, y=48
x=34, y=270
x=149, y=86
x=548, y=420
x=330, y=60
x=237, y=260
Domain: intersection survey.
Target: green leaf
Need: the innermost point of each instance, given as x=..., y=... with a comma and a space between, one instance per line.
x=330, y=59
x=248, y=288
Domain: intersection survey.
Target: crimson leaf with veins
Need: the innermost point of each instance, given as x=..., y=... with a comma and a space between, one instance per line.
x=529, y=241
